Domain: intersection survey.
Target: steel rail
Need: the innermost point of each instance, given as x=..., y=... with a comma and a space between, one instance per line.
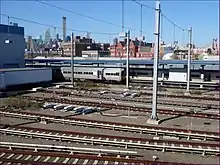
x=189, y=134
x=170, y=95
x=81, y=156
x=127, y=142
x=71, y=150
x=141, y=100
x=123, y=107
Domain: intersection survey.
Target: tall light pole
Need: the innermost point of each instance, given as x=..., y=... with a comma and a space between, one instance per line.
x=128, y=47
x=154, y=118
x=0, y=11
x=72, y=58
x=189, y=57
x=122, y=15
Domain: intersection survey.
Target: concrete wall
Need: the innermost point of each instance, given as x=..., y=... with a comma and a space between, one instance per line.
x=11, y=46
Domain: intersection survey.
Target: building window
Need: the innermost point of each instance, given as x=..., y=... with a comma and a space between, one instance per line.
x=8, y=41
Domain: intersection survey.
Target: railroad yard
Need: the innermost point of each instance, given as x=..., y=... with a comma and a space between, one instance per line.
x=108, y=125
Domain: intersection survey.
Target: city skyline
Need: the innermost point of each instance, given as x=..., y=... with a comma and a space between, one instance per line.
x=182, y=17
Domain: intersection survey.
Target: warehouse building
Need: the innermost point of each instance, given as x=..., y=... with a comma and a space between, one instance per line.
x=12, y=63
x=11, y=41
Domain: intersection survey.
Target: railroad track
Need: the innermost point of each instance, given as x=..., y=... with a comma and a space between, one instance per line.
x=163, y=95
x=140, y=100
x=26, y=154
x=193, y=85
x=118, y=141
x=123, y=107
x=155, y=130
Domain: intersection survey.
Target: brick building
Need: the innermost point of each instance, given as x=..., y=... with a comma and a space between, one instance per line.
x=137, y=49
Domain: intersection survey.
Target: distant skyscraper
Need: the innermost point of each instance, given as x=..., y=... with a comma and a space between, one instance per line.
x=64, y=29
x=47, y=36
x=57, y=36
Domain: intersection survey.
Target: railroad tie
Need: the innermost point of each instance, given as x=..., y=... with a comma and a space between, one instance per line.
x=47, y=158
x=65, y=161
x=2, y=154
x=18, y=157
x=95, y=162
x=56, y=159
x=75, y=161
x=28, y=157
x=85, y=161
x=106, y=162
x=10, y=156
x=37, y=158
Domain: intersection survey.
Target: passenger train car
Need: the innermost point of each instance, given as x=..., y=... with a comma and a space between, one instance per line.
x=95, y=73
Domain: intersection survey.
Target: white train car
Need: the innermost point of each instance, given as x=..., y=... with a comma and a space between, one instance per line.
x=83, y=73
x=94, y=73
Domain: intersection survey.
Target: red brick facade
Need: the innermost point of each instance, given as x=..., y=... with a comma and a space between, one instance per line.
x=119, y=50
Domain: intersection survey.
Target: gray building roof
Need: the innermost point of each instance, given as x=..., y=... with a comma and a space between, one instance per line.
x=11, y=29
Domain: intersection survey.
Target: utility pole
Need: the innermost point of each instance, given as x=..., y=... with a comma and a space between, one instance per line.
x=0, y=11
x=141, y=37
x=122, y=15
x=154, y=118
x=128, y=47
x=72, y=58
x=189, y=57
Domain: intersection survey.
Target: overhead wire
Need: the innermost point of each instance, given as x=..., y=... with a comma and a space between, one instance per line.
x=83, y=15
x=57, y=27
x=149, y=7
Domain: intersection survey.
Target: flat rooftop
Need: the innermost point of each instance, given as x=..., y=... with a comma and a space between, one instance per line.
x=133, y=61
x=21, y=69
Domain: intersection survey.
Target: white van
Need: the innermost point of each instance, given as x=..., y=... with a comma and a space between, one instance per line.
x=69, y=108
x=59, y=106
x=49, y=105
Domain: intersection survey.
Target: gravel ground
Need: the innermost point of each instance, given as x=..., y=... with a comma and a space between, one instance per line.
x=147, y=154
x=14, y=121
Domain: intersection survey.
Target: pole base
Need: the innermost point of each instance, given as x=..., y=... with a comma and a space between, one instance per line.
x=187, y=94
x=153, y=122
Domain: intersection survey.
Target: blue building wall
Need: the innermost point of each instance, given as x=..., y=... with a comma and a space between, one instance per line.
x=12, y=46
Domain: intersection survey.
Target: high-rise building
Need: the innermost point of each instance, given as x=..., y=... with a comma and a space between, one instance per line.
x=64, y=29
x=47, y=36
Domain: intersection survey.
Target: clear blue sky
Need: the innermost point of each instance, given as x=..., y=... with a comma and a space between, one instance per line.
x=202, y=15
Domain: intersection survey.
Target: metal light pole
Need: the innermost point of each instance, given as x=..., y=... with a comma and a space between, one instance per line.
x=122, y=15
x=189, y=57
x=72, y=58
x=127, y=68
x=0, y=11
x=156, y=56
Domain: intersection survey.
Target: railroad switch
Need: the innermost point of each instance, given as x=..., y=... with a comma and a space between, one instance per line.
x=127, y=157
x=188, y=138
x=155, y=158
